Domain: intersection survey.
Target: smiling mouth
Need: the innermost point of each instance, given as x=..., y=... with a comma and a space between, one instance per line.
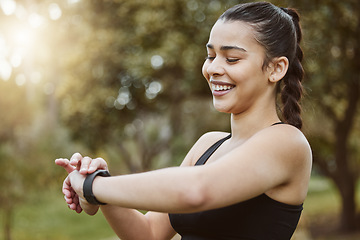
x=219, y=87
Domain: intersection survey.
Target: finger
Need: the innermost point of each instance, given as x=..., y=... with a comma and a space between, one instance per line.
x=67, y=189
x=84, y=165
x=66, y=193
x=73, y=202
x=76, y=199
x=76, y=204
x=70, y=197
x=75, y=159
x=97, y=163
x=68, y=200
x=72, y=206
x=63, y=162
x=78, y=209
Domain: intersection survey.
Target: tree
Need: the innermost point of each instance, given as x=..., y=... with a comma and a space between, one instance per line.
x=27, y=111
x=145, y=60
x=14, y=121
x=333, y=74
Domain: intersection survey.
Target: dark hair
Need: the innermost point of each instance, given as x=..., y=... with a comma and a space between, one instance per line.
x=279, y=32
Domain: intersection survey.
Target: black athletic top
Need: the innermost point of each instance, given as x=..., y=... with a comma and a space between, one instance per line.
x=259, y=218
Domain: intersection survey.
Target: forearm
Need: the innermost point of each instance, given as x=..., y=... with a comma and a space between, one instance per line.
x=128, y=224
x=166, y=190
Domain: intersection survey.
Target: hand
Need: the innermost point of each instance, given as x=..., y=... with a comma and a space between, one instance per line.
x=85, y=166
x=71, y=197
x=75, y=181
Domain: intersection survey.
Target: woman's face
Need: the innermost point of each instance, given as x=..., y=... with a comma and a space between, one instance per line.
x=234, y=68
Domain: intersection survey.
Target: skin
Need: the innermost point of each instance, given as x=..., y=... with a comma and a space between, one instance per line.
x=237, y=170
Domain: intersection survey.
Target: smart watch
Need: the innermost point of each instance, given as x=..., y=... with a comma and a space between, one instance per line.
x=87, y=187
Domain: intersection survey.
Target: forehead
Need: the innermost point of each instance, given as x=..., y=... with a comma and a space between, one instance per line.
x=234, y=33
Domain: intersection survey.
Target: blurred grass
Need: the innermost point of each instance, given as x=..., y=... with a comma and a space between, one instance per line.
x=46, y=216
x=322, y=207
x=322, y=197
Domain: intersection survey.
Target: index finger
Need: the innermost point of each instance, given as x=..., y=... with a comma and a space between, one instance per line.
x=65, y=163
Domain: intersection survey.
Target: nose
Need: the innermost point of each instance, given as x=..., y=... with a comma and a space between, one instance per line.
x=215, y=67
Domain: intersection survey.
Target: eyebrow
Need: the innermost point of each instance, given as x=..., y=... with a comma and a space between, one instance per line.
x=225, y=48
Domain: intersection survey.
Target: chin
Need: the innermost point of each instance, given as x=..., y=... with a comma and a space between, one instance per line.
x=222, y=109
x=227, y=109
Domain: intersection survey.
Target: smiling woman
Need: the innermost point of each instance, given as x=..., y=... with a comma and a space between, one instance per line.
x=235, y=58
x=246, y=184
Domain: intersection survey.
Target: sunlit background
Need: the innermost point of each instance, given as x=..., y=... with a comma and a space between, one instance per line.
x=122, y=79
x=25, y=35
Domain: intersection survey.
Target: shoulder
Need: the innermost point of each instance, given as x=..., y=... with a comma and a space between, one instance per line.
x=202, y=144
x=287, y=135
x=291, y=154
x=208, y=139
x=285, y=141
x=211, y=137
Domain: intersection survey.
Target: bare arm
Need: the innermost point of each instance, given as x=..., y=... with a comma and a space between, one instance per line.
x=127, y=223
x=269, y=159
x=130, y=224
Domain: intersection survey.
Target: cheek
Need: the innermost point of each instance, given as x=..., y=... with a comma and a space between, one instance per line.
x=204, y=70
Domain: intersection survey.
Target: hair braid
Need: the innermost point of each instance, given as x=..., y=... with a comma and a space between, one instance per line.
x=292, y=90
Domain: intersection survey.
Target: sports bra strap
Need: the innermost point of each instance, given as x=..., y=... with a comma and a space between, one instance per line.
x=277, y=123
x=202, y=160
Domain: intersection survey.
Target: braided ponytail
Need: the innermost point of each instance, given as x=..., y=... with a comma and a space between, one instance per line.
x=292, y=90
x=279, y=31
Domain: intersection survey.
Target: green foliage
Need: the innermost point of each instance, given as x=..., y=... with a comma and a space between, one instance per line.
x=135, y=59
x=122, y=79
x=14, y=120
x=48, y=217
x=333, y=70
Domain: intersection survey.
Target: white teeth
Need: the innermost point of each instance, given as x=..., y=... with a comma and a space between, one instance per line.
x=221, y=87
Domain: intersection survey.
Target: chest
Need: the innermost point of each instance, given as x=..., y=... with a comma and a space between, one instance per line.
x=223, y=150
x=240, y=221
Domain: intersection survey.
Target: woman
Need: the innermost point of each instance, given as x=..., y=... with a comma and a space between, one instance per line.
x=251, y=183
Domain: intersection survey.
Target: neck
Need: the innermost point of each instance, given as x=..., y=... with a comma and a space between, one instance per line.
x=243, y=125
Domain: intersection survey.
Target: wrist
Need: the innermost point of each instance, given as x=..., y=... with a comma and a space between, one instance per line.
x=88, y=186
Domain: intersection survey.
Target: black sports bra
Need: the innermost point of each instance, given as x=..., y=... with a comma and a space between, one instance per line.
x=259, y=218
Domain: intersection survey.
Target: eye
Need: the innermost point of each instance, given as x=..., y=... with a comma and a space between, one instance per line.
x=209, y=58
x=232, y=60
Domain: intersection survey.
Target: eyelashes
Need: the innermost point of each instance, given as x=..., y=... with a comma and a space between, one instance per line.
x=232, y=60
x=229, y=60
x=209, y=58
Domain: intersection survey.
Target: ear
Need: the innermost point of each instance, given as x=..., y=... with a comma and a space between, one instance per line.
x=279, y=68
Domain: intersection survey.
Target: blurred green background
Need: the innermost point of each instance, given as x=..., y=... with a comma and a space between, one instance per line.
x=122, y=79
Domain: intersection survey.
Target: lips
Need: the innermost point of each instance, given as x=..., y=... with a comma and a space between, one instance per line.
x=221, y=86
x=215, y=87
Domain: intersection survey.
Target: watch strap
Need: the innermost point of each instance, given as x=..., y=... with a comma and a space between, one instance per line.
x=87, y=187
